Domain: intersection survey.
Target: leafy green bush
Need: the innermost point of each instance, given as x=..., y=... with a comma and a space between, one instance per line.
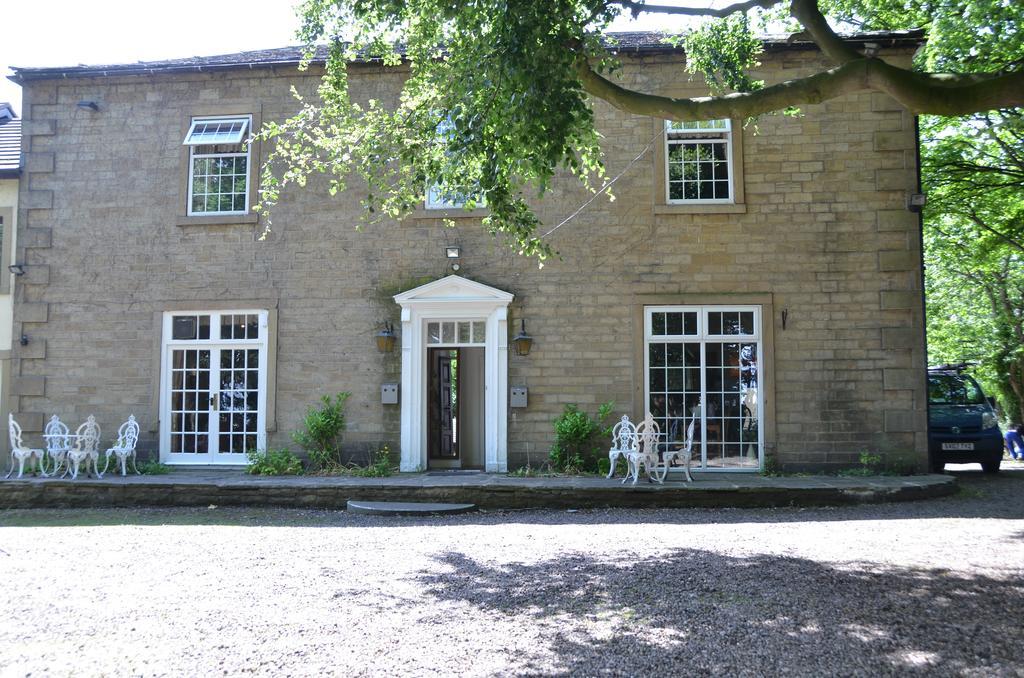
x=870, y=465
x=273, y=463
x=321, y=432
x=153, y=467
x=580, y=439
x=380, y=467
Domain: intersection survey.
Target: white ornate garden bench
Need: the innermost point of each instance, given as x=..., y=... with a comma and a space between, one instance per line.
x=85, y=447
x=623, y=442
x=58, y=442
x=19, y=453
x=639, y=445
x=124, y=448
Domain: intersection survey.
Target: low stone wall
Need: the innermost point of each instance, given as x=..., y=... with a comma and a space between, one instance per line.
x=490, y=493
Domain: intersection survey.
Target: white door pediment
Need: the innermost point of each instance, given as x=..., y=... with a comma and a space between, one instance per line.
x=454, y=296
x=453, y=289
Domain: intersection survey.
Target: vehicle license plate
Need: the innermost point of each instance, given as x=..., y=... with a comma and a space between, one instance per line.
x=958, y=446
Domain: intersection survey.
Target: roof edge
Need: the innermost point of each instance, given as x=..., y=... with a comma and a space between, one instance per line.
x=292, y=56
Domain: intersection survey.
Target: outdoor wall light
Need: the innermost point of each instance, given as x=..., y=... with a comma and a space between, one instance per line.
x=17, y=269
x=522, y=342
x=871, y=49
x=89, y=106
x=386, y=339
x=453, y=252
x=916, y=202
x=24, y=340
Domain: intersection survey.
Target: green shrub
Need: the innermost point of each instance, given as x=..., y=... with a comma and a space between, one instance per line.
x=321, y=432
x=870, y=465
x=580, y=439
x=273, y=463
x=153, y=467
x=380, y=467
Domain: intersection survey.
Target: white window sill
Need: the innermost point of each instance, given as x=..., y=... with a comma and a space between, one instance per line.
x=702, y=208
x=217, y=219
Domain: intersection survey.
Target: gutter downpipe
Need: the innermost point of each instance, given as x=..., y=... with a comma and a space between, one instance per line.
x=924, y=296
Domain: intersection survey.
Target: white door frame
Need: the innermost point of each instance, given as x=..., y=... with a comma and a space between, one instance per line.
x=454, y=298
x=215, y=343
x=704, y=337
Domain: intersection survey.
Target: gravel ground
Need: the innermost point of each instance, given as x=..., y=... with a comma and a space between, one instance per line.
x=931, y=588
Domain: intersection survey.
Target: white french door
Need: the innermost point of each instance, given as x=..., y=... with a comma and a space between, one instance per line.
x=702, y=364
x=213, y=386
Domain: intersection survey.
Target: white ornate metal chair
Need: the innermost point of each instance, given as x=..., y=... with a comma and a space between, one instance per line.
x=685, y=453
x=124, y=448
x=645, y=456
x=85, y=447
x=623, y=441
x=58, y=442
x=19, y=453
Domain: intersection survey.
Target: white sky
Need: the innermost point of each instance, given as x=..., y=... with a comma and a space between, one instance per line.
x=71, y=32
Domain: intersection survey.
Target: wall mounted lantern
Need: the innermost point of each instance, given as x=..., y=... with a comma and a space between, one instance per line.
x=386, y=339
x=88, y=106
x=17, y=269
x=916, y=202
x=522, y=342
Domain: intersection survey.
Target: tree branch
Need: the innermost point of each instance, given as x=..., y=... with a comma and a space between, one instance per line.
x=935, y=93
x=642, y=7
x=980, y=223
x=811, y=18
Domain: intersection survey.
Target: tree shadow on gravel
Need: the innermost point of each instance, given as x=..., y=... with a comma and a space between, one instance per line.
x=699, y=612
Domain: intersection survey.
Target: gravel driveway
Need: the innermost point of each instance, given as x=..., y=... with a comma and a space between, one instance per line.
x=931, y=588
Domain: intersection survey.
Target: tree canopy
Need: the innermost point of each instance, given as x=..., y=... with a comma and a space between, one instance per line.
x=498, y=94
x=974, y=248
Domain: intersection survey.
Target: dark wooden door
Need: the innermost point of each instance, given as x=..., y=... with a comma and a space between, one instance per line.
x=443, y=404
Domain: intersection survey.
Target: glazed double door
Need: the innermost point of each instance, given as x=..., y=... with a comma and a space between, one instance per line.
x=214, y=403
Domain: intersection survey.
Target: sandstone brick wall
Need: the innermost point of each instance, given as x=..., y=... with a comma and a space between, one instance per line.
x=824, y=236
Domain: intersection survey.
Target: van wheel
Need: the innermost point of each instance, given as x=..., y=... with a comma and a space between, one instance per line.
x=990, y=466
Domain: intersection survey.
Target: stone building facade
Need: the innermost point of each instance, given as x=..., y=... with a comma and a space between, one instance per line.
x=784, y=314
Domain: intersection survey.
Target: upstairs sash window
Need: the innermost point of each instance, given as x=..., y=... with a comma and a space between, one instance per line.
x=698, y=157
x=218, y=182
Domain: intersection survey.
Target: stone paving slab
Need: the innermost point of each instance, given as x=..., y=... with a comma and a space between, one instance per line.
x=487, y=491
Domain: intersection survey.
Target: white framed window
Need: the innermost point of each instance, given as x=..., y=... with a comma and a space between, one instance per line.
x=213, y=394
x=438, y=199
x=698, y=162
x=702, y=364
x=218, y=178
x=455, y=333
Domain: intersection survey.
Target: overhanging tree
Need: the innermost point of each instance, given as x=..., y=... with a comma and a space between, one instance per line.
x=974, y=248
x=497, y=98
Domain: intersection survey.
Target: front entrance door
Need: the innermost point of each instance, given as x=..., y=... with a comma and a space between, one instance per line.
x=443, y=407
x=213, y=398
x=454, y=312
